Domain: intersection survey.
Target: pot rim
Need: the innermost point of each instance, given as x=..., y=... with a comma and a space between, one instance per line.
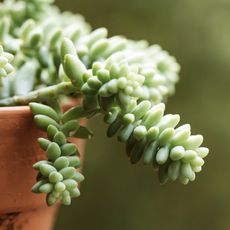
x=24, y=110
x=14, y=111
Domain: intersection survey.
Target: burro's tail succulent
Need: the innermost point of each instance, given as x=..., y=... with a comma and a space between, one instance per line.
x=121, y=90
x=127, y=82
x=5, y=64
x=57, y=175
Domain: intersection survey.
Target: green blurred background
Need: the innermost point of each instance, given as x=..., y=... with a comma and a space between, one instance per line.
x=117, y=195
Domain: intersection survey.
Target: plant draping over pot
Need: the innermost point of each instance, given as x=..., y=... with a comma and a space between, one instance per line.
x=46, y=56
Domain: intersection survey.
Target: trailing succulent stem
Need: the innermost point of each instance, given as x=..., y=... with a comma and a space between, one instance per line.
x=40, y=95
x=119, y=90
x=57, y=176
x=127, y=82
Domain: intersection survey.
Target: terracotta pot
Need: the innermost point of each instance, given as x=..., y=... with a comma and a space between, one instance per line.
x=19, y=207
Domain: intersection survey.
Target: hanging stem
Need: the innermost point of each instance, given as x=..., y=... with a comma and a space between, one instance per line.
x=40, y=95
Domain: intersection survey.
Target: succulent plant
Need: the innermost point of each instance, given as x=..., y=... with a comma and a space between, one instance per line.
x=57, y=54
x=5, y=63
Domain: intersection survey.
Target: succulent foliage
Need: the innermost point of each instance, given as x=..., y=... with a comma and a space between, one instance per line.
x=5, y=67
x=57, y=175
x=57, y=54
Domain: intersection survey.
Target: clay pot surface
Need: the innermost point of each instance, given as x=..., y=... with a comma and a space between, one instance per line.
x=37, y=219
x=19, y=149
